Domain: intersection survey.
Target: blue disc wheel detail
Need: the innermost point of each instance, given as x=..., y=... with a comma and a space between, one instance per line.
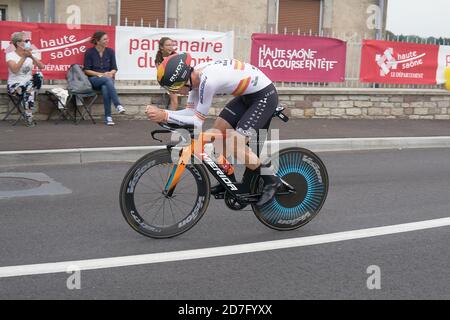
x=306, y=173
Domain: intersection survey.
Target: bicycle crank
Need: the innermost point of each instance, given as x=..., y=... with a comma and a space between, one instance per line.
x=233, y=203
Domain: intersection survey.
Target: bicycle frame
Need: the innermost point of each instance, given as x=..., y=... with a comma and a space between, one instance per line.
x=196, y=149
x=238, y=190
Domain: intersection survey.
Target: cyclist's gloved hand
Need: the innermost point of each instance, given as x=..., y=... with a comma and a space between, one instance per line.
x=156, y=114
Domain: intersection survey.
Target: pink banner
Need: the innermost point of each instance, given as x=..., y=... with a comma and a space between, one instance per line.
x=299, y=58
x=399, y=62
x=57, y=45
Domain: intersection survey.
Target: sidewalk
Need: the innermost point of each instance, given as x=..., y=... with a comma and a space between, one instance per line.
x=129, y=133
x=66, y=143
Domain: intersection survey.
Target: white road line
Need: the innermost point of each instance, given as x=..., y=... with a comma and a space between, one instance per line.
x=92, y=264
x=93, y=155
x=325, y=144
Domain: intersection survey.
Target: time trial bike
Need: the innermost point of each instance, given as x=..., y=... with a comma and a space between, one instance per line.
x=166, y=192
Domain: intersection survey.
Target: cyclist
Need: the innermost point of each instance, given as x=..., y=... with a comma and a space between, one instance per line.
x=252, y=108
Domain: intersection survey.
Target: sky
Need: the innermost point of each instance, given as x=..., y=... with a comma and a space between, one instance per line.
x=424, y=18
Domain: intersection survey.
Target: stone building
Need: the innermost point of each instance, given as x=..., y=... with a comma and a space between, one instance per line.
x=343, y=18
x=349, y=20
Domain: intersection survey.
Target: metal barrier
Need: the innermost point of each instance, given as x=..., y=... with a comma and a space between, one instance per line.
x=242, y=47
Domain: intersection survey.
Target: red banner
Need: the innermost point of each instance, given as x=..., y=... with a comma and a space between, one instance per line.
x=57, y=45
x=299, y=58
x=398, y=62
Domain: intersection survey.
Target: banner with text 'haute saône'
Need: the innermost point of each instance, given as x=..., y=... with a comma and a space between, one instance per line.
x=403, y=62
x=136, y=48
x=57, y=45
x=60, y=45
x=299, y=58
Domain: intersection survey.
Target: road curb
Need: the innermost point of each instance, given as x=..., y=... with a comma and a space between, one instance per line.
x=92, y=155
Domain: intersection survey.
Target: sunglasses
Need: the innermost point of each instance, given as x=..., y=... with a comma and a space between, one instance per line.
x=178, y=85
x=175, y=90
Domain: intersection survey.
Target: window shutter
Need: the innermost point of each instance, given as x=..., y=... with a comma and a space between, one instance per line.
x=148, y=10
x=299, y=14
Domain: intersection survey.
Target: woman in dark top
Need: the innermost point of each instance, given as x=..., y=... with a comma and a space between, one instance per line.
x=100, y=66
x=166, y=49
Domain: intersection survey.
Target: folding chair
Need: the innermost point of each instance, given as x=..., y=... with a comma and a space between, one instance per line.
x=59, y=107
x=80, y=106
x=18, y=106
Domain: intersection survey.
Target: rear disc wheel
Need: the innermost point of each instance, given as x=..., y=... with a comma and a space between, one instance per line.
x=306, y=173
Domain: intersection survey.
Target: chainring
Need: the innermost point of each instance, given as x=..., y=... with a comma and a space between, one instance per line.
x=233, y=203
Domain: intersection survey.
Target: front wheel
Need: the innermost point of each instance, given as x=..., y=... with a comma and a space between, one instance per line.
x=152, y=212
x=306, y=173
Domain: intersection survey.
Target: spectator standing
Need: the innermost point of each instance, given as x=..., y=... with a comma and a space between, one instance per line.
x=165, y=49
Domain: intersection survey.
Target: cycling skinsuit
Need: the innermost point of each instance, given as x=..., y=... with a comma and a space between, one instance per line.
x=252, y=108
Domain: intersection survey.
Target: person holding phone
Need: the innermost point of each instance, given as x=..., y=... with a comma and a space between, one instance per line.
x=20, y=67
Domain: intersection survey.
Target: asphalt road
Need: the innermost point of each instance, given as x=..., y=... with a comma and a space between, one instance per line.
x=367, y=189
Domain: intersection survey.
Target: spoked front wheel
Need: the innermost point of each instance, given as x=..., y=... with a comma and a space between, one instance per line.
x=306, y=173
x=152, y=212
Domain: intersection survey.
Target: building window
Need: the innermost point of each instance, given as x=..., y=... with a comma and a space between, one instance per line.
x=299, y=16
x=2, y=13
x=32, y=10
x=142, y=12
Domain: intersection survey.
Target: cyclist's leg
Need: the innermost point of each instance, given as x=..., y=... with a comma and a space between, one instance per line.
x=258, y=116
x=224, y=123
x=227, y=121
x=234, y=144
x=247, y=115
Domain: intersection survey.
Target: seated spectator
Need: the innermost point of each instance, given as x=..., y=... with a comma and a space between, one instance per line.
x=20, y=67
x=100, y=66
x=166, y=49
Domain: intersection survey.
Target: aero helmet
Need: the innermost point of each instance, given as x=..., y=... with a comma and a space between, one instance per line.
x=174, y=71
